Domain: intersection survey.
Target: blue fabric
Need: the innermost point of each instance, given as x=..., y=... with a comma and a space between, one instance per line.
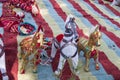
x=45, y=73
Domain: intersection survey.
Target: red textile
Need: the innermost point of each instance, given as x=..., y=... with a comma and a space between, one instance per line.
x=3, y=0
x=93, y=53
x=1, y=36
x=59, y=37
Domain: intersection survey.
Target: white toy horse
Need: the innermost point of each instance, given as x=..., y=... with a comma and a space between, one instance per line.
x=67, y=44
x=116, y=3
x=2, y=57
x=69, y=24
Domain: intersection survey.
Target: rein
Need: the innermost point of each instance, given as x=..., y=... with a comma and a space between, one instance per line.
x=66, y=44
x=55, y=40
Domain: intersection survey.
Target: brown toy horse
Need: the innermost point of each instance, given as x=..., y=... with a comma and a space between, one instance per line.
x=89, y=47
x=30, y=50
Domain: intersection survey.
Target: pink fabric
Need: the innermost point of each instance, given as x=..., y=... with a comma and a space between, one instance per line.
x=3, y=0
x=59, y=37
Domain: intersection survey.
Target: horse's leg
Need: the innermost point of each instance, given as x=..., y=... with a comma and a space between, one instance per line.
x=96, y=57
x=3, y=68
x=87, y=60
x=36, y=61
x=24, y=62
x=34, y=65
x=86, y=68
x=75, y=61
x=20, y=55
x=60, y=65
x=55, y=46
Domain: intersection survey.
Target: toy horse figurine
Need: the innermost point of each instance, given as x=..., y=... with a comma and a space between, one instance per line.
x=70, y=25
x=2, y=58
x=89, y=47
x=67, y=45
x=31, y=48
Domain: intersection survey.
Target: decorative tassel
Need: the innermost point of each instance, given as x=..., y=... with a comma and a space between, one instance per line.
x=1, y=36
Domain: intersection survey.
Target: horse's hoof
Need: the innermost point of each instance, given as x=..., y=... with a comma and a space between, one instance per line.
x=97, y=67
x=86, y=69
x=34, y=71
x=22, y=71
x=57, y=73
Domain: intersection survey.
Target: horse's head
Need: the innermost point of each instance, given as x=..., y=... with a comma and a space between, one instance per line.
x=38, y=37
x=70, y=28
x=95, y=36
x=69, y=18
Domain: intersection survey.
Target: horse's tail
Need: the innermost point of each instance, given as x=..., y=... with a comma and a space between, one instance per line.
x=82, y=42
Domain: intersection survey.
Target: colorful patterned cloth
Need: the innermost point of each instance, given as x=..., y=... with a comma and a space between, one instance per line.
x=52, y=16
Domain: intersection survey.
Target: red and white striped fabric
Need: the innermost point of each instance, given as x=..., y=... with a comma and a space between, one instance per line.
x=52, y=16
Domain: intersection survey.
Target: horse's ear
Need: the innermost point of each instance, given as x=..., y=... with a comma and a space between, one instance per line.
x=40, y=28
x=68, y=18
x=97, y=27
